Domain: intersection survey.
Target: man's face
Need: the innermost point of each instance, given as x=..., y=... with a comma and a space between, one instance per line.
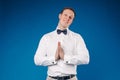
x=66, y=18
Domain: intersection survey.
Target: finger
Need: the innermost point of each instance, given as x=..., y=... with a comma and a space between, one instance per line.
x=59, y=44
x=56, y=56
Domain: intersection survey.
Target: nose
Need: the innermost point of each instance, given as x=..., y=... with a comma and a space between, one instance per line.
x=67, y=18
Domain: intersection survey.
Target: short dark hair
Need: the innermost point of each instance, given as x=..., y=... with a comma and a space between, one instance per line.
x=69, y=9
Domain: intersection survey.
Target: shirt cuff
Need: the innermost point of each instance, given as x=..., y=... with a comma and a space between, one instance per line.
x=54, y=62
x=67, y=59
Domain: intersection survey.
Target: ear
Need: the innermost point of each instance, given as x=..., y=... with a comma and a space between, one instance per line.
x=59, y=16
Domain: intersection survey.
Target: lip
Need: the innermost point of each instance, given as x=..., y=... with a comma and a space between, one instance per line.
x=65, y=21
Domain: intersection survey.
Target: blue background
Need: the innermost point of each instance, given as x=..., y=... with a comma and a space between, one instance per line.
x=23, y=23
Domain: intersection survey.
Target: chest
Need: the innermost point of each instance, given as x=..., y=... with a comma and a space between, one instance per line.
x=67, y=43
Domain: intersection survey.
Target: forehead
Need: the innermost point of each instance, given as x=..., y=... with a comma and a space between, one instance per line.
x=68, y=11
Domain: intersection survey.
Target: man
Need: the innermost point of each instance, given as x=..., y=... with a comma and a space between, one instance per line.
x=62, y=50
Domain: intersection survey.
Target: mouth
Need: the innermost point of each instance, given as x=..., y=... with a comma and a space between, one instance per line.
x=66, y=22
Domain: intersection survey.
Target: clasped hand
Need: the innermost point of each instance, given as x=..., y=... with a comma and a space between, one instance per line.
x=59, y=52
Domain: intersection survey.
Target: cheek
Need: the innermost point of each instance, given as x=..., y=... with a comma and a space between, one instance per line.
x=70, y=21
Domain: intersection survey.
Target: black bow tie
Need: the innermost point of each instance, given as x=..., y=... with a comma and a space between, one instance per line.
x=64, y=31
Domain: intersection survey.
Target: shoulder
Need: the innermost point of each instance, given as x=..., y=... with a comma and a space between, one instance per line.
x=75, y=35
x=49, y=34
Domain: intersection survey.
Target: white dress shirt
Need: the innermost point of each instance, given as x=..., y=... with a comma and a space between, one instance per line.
x=75, y=53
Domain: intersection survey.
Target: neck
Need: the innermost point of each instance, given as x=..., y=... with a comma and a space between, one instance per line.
x=61, y=27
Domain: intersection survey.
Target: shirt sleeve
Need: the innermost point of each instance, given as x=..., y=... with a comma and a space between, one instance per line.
x=41, y=57
x=80, y=55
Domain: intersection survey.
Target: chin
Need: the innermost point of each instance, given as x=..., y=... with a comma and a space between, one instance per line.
x=65, y=27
